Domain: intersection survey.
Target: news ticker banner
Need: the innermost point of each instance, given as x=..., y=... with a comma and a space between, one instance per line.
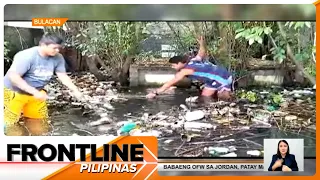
x=213, y=165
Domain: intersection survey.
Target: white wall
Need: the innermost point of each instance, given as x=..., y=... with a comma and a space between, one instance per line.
x=24, y=24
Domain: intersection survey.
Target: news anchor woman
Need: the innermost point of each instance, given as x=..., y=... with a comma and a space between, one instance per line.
x=283, y=160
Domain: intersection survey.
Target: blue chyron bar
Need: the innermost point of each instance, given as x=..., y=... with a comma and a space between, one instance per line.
x=155, y=12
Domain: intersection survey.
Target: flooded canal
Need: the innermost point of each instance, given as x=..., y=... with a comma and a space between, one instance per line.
x=176, y=142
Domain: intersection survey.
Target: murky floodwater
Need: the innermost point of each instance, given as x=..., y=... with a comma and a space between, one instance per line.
x=71, y=122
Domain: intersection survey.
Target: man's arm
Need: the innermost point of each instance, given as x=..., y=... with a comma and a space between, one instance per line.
x=66, y=80
x=62, y=75
x=179, y=76
x=202, y=49
x=18, y=68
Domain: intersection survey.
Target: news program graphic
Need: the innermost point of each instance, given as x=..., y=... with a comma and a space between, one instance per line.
x=283, y=155
x=133, y=157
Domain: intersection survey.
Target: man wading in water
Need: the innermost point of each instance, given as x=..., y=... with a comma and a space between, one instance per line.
x=24, y=85
x=217, y=80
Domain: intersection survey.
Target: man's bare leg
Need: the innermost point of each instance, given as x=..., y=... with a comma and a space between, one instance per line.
x=207, y=92
x=225, y=96
x=36, y=127
x=16, y=130
x=208, y=95
x=36, y=118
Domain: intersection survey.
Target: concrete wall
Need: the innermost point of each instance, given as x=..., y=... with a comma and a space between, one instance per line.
x=149, y=76
x=158, y=75
x=268, y=77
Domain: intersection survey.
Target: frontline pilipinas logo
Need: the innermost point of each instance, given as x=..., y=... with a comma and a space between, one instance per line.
x=128, y=157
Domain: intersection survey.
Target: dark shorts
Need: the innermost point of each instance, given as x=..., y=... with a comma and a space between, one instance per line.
x=220, y=86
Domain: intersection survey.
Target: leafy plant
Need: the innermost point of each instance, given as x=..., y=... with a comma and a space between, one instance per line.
x=279, y=54
x=297, y=25
x=250, y=95
x=253, y=34
x=277, y=98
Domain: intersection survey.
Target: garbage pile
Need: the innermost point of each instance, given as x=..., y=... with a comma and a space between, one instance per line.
x=195, y=129
x=213, y=128
x=99, y=94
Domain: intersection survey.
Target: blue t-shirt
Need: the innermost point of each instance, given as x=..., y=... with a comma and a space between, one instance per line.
x=207, y=72
x=34, y=69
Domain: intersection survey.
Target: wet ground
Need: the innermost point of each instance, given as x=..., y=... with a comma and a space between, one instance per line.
x=71, y=121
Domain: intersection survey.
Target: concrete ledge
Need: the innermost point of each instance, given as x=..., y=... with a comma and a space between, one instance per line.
x=268, y=77
x=154, y=75
x=157, y=75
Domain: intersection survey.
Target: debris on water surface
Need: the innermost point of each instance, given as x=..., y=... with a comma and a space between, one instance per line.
x=264, y=92
x=198, y=125
x=101, y=121
x=303, y=92
x=214, y=113
x=177, y=124
x=104, y=115
x=126, y=128
x=233, y=104
x=76, y=103
x=192, y=99
x=145, y=117
x=217, y=149
x=188, y=137
x=215, y=124
x=224, y=111
x=122, y=123
x=194, y=115
x=313, y=127
x=108, y=106
x=229, y=155
x=135, y=132
x=232, y=148
x=254, y=153
x=139, y=132
x=221, y=151
x=291, y=118
x=163, y=123
x=105, y=128
x=168, y=141
x=279, y=113
x=184, y=107
x=227, y=140
x=272, y=108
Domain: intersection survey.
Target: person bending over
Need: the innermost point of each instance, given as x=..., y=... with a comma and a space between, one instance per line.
x=24, y=85
x=216, y=79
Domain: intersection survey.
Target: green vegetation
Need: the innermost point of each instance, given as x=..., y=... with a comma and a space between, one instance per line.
x=115, y=45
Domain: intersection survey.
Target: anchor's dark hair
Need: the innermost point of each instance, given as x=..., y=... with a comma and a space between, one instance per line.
x=278, y=151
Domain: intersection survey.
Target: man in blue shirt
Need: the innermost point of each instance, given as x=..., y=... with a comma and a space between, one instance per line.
x=24, y=83
x=216, y=79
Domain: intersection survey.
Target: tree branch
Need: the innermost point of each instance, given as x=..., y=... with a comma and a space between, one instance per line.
x=176, y=35
x=289, y=52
